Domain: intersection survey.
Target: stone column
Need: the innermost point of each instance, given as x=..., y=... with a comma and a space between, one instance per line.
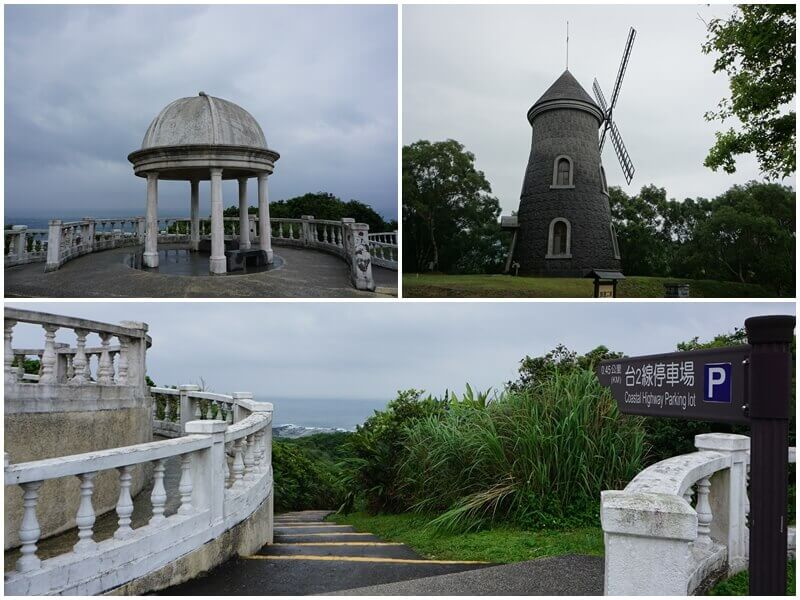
x=208, y=469
x=53, y=246
x=647, y=546
x=87, y=233
x=217, y=264
x=728, y=496
x=264, y=229
x=244, y=222
x=151, y=231
x=22, y=241
x=187, y=414
x=195, y=215
x=359, y=257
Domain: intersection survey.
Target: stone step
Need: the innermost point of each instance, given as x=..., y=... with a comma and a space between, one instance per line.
x=326, y=537
x=341, y=549
x=306, y=529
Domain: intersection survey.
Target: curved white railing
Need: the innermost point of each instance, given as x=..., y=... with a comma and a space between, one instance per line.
x=64, y=241
x=681, y=524
x=225, y=475
x=59, y=363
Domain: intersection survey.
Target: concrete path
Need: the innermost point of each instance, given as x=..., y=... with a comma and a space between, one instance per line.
x=304, y=274
x=572, y=575
x=311, y=556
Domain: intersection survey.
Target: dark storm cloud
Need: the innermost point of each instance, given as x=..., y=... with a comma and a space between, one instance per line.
x=83, y=83
x=476, y=82
x=355, y=356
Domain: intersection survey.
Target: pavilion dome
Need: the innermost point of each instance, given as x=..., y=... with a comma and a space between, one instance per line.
x=204, y=120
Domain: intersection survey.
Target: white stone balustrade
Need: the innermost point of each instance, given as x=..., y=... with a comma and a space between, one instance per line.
x=118, y=364
x=23, y=245
x=657, y=543
x=209, y=504
x=63, y=242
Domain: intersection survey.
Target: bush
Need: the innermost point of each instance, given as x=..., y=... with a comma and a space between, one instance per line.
x=536, y=458
x=302, y=483
x=376, y=451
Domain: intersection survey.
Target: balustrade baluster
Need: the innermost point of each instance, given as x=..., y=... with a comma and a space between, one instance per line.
x=185, y=486
x=227, y=468
x=8, y=357
x=704, y=516
x=229, y=413
x=198, y=413
x=70, y=371
x=124, y=504
x=86, y=516
x=48, y=361
x=122, y=377
x=280, y=229
x=29, y=530
x=158, y=497
x=259, y=468
x=105, y=370
x=249, y=461
x=79, y=361
x=238, y=464
x=87, y=371
x=20, y=368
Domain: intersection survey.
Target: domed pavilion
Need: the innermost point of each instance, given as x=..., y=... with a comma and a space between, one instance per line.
x=206, y=138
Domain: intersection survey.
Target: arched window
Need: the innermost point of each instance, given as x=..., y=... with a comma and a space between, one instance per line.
x=559, y=239
x=614, y=241
x=603, y=181
x=562, y=172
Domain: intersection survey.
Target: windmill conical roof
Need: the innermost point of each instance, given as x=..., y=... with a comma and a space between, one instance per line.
x=566, y=87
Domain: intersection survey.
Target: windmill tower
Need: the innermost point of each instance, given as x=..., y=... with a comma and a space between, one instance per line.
x=563, y=227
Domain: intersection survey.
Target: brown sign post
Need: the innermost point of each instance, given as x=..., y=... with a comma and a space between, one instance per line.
x=749, y=384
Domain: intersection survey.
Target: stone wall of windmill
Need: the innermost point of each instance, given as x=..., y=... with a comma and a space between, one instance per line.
x=571, y=133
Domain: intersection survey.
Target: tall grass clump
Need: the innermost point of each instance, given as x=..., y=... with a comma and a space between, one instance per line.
x=536, y=457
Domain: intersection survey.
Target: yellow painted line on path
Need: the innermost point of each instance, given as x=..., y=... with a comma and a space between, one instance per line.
x=338, y=544
x=367, y=559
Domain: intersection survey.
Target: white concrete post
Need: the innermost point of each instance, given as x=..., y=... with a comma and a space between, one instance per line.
x=244, y=221
x=728, y=496
x=647, y=534
x=238, y=412
x=8, y=356
x=217, y=264
x=187, y=414
x=87, y=233
x=195, y=215
x=141, y=229
x=53, y=246
x=360, y=259
x=264, y=229
x=151, y=232
x=137, y=355
x=308, y=232
x=22, y=241
x=208, y=469
x=251, y=227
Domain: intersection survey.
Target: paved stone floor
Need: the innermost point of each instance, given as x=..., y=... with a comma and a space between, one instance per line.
x=311, y=556
x=304, y=274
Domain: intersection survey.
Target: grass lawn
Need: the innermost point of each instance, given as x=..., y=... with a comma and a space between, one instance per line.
x=494, y=286
x=499, y=545
x=737, y=585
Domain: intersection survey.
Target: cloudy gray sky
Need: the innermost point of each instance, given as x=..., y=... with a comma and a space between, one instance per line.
x=333, y=363
x=82, y=83
x=471, y=72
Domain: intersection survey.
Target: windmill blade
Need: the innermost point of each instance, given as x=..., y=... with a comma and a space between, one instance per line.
x=622, y=67
x=603, y=135
x=622, y=154
x=598, y=95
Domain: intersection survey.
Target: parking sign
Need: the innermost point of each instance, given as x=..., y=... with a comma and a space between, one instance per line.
x=717, y=382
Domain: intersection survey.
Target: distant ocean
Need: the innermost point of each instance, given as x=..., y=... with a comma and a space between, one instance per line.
x=331, y=413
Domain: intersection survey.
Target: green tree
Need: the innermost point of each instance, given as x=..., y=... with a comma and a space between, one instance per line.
x=749, y=236
x=450, y=218
x=756, y=48
x=323, y=205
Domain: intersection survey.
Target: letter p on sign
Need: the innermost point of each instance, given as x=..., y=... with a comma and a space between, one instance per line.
x=717, y=382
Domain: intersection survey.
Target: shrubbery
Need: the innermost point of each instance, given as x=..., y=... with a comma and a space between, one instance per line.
x=302, y=482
